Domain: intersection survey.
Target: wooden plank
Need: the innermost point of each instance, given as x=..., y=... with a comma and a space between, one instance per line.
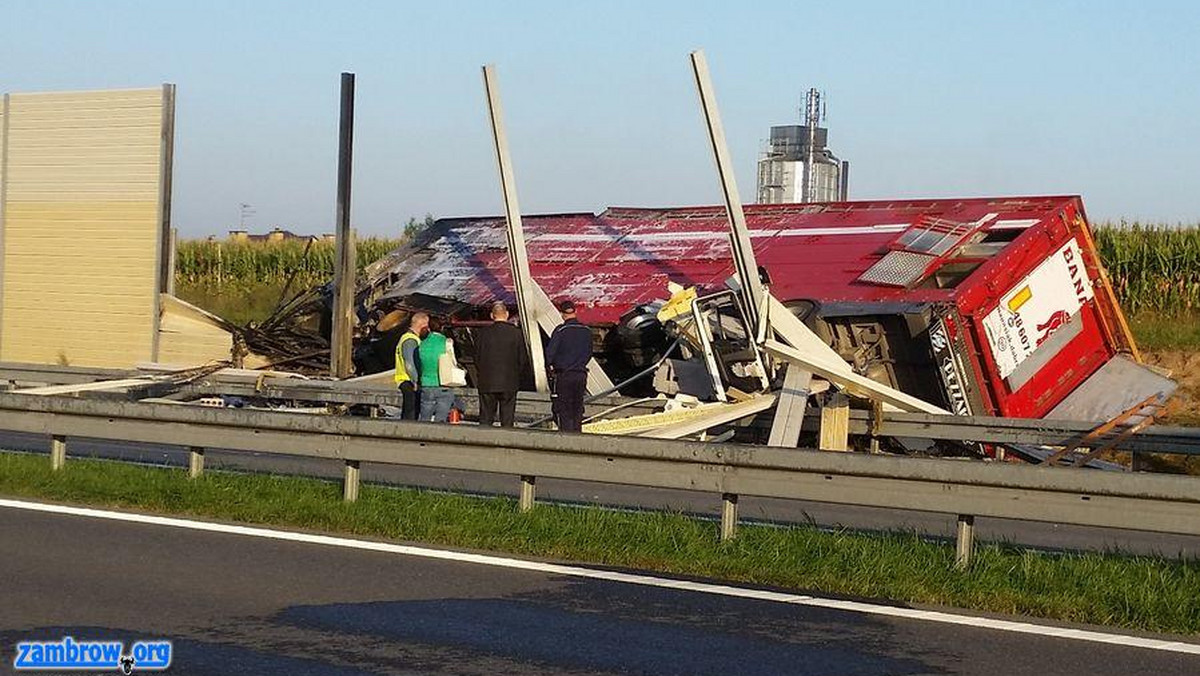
x=789, y=412
x=835, y=423
x=103, y=385
x=190, y=336
x=718, y=416
x=855, y=384
x=641, y=424
x=1126, y=335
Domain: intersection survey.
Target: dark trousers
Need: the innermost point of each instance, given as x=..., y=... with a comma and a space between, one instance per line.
x=411, y=405
x=567, y=405
x=490, y=402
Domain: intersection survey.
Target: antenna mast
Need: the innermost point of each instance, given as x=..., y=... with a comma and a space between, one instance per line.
x=812, y=119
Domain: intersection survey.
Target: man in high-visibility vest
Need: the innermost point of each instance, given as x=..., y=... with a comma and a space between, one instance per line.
x=407, y=371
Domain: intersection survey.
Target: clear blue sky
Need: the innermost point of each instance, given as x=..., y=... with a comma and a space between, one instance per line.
x=925, y=98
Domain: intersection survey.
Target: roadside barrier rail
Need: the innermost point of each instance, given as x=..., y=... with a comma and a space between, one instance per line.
x=966, y=489
x=1026, y=431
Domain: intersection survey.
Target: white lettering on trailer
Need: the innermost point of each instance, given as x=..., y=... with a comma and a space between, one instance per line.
x=948, y=368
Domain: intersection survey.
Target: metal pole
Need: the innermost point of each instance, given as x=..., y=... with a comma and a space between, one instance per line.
x=172, y=255
x=965, y=541
x=341, y=340
x=167, y=156
x=528, y=493
x=739, y=235
x=729, y=516
x=517, y=255
x=812, y=104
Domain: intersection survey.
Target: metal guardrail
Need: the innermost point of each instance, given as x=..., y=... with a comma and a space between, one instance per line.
x=1028, y=431
x=530, y=405
x=58, y=375
x=1144, y=502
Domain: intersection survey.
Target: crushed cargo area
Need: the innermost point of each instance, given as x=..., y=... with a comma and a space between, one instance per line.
x=984, y=306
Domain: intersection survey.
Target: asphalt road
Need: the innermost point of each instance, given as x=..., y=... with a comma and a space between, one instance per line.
x=234, y=604
x=1037, y=534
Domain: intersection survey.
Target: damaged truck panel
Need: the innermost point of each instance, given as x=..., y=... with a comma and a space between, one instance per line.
x=986, y=306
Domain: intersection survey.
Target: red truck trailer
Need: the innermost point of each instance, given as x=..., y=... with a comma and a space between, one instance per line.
x=985, y=306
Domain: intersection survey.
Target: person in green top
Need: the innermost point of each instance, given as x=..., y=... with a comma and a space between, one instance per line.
x=436, y=399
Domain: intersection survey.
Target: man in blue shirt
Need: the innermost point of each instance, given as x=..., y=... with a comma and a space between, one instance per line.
x=567, y=357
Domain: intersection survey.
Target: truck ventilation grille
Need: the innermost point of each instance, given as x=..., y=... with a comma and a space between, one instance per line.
x=936, y=236
x=898, y=268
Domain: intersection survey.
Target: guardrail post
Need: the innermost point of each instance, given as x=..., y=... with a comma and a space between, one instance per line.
x=965, y=542
x=58, y=453
x=528, y=491
x=729, y=516
x=1139, y=463
x=350, y=481
x=195, y=461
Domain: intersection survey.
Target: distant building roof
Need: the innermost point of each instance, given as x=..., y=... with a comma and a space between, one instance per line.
x=275, y=235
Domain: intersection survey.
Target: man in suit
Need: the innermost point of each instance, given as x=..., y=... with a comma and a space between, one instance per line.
x=501, y=359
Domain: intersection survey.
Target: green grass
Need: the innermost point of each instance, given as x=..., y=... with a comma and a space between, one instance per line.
x=244, y=264
x=235, y=302
x=1154, y=331
x=1145, y=593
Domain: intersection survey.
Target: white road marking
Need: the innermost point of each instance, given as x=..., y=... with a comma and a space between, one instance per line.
x=627, y=578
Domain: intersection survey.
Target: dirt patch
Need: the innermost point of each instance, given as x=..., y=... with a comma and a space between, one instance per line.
x=1184, y=365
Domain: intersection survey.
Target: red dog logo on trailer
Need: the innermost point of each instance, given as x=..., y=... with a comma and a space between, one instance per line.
x=1051, y=325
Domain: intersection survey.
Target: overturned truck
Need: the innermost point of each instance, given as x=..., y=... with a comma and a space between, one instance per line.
x=983, y=306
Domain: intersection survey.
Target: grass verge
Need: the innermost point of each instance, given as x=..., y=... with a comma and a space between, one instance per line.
x=234, y=301
x=1146, y=593
x=1154, y=331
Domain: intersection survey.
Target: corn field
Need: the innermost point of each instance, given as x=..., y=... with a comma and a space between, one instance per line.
x=247, y=264
x=1153, y=268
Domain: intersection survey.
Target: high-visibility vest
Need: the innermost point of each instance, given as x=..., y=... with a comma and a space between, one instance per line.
x=402, y=374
